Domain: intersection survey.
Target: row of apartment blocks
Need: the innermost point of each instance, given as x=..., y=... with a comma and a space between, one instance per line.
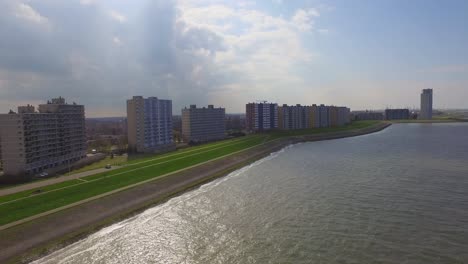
x=33, y=141
x=266, y=116
x=150, y=124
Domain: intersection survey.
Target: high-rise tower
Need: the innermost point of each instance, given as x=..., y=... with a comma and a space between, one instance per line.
x=426, y=104
x=149, y=124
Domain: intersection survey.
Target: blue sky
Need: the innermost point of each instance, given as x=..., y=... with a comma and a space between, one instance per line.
x=361, y=54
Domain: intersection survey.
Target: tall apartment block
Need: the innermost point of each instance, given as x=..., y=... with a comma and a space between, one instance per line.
x=261, y=116
x=426, y=104
x=149, y=124
x=323, y=115
x=293, y=117
x=314, y=116
x=344, y=116
x=203, y=124
x=33, y=141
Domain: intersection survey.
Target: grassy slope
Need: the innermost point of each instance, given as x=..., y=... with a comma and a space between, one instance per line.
x=301, y=132
x=135, y=171
x=443, y=120
x=129, y=165
x=36, y=204
x=116, y=161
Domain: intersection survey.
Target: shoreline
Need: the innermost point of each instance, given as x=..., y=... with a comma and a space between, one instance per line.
x=431, y=121
x=34, y=239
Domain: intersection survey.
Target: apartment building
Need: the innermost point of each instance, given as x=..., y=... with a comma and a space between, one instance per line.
x=397, y=114
x=293, y=117
x=302, y=117
x=314, y=116
x=367, y=115
x=203, y=124
x=149, y=124
x=35, y=141
x=323, y=111
x=426, y=104
x=344, y=115
x=261, y=116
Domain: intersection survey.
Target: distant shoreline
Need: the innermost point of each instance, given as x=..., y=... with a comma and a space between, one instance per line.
x=432, y=121
x=32, y=240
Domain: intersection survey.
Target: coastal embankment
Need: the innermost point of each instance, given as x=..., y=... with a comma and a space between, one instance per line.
x=28, y=240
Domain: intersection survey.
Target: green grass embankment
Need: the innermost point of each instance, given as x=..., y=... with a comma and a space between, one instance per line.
x=25, y=204
x=128, y=165
x=101, y=183
x=116, y=161
x=301, y=132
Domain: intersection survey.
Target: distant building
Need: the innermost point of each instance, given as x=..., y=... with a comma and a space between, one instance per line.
x=323, y=115
x=338, y=116
x=367, y=115
x=293, y=117
x=261, y=116
x=302, y=117
x=333, y=116
x=203, y=124
x=235, y=122
x=426, y=104
x=344, y=115
x=397, y=114
x=149, y=124
x=35, y=141
x=314, y=116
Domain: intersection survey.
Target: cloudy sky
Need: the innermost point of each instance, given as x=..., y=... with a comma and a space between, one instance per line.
x=362, y=54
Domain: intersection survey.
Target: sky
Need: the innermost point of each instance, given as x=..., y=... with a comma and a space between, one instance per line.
x=360, y=54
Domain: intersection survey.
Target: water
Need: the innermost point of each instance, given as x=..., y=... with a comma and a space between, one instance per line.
x=397, y=196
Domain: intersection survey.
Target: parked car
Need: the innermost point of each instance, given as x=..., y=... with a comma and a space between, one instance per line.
x=108, y=166
x=44, y=174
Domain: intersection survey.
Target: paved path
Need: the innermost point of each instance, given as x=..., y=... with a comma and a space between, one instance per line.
x=39, y=184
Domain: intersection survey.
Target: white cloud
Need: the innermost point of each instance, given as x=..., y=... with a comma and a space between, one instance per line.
x=303, y=19
x=262, y=50
x=117, y=16
x=26, y=12
x=185, y=50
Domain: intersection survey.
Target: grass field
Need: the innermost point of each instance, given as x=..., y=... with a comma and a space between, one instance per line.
x=24, y=204
x=116, y=161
